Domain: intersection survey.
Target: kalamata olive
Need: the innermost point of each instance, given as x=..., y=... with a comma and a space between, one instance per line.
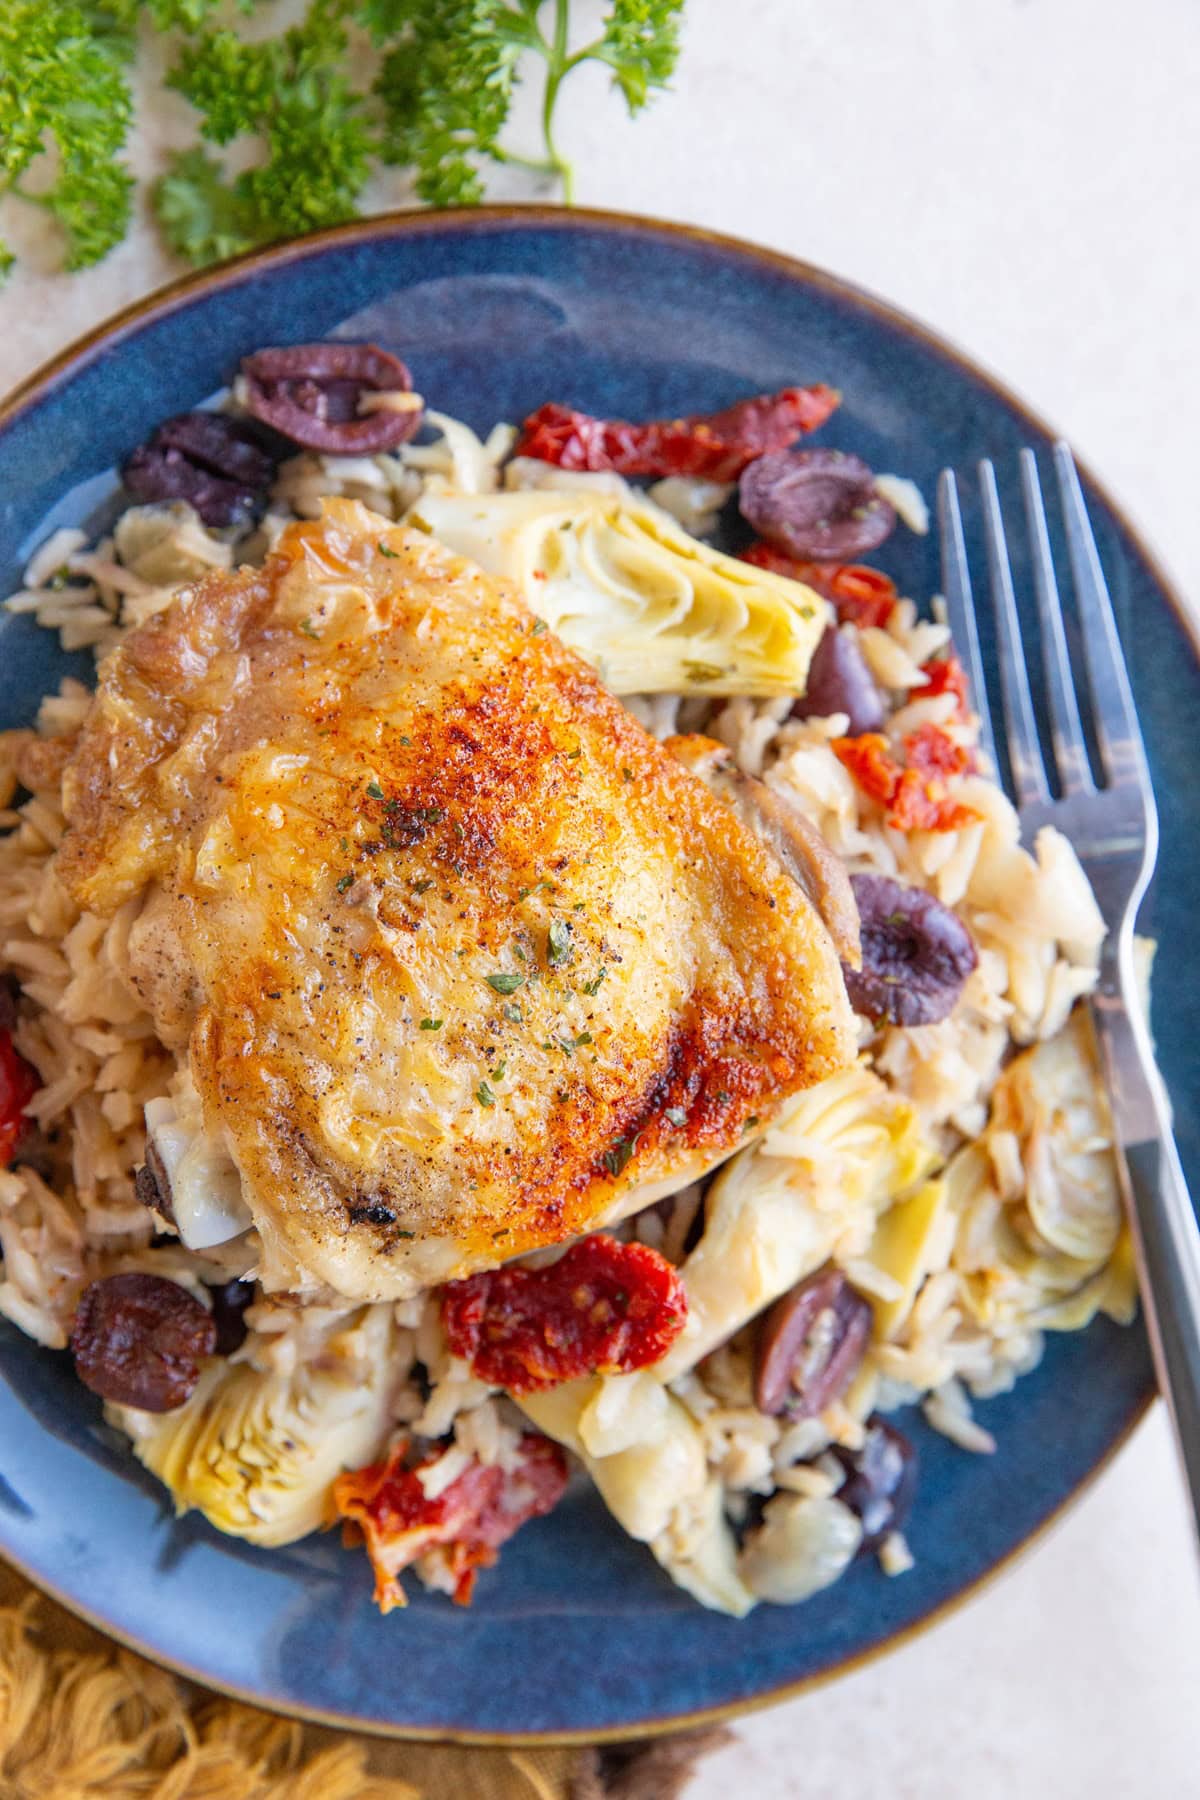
x=916, y=954
x=208, y=459
x=229, y=1303
x=10, y=994
x=810, y=1345
x=314, y=394
x=839, y=681
x=881, y=1480
x=815, y=503
x=139, y=1340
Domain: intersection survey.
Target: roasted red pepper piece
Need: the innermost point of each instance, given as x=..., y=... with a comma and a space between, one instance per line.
x=603, y=1308
x=715, y=446
x=862, y=596
x=945, y=675
x=914, y=791
x=467, y=1522
x=18, y=1085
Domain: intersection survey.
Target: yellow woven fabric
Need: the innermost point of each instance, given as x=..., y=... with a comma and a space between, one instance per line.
x=81, y=1719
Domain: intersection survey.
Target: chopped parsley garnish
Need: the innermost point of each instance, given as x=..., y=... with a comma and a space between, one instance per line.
x=386, y=549
x=484, y=1095
x=513, y=1014
x=676, y=1115
x=346, y=881
x=592, y=988
x=306, y=626
x=497, y=1074
x=559, y=948
x=374, y=790
x=431, y=1024
x=405, y=740
x=722, y=1097
x=539, y=625
x=423, y=887
x=617, y=1155
x=699, y=672
x=404, y=1234
x=750, y=1123
x=505, y=982
x=573, y=754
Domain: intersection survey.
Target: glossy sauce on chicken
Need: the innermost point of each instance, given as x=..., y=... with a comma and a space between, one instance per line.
x=460, y=958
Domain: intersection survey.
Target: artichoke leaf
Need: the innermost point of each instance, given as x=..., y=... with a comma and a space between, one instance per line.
x=644, y=1483
x=912, y=1239
x=257, y=1451
x=699, y=1552
x=811, y=1186
x=654, y=610
x=1052, y=1096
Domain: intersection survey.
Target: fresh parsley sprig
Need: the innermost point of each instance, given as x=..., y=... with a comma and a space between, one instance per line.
x=434, y=101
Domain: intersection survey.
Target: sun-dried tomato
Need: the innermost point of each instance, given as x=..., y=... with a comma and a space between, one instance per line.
x=467, y=1522
x=715, y=446
x=869, y=759
x=603, y=1308
x=862, y=596
x=918, y=806
x=914, y=791
x=931, y=751
x=18, y=1085
x=945, y=675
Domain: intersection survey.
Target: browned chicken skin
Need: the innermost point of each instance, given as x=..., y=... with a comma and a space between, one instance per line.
x=460, y=958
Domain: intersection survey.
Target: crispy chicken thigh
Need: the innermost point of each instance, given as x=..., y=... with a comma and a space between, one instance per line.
x=459, y=959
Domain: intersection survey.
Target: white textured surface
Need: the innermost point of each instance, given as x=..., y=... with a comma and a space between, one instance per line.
x=1023, y=174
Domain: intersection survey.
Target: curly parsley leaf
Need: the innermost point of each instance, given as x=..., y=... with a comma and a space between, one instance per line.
x=445, y=86
x=293, y=95
x=640, y=44
x=423, y=85
x=64, y=97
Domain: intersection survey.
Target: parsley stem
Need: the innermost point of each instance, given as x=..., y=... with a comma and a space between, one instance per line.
x=558, y=65
x=540, y=165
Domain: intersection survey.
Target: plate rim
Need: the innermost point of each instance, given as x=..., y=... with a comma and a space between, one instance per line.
x=180, y=292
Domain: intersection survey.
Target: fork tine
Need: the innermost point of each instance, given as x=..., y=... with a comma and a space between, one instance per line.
x=1024, y=751
x=1070, y=750
x=1120, y=739
x=960, y=606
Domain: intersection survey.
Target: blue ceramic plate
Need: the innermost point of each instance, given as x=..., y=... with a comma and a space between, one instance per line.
x=576, y=1632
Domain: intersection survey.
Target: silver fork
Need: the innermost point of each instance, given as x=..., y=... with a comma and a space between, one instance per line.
x=1114, y=828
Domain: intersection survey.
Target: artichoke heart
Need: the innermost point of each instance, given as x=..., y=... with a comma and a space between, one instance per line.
x=810, y=1188
x=1053, y=1099
x=652, y=609
x=257, y=1451
x=1045, y=1247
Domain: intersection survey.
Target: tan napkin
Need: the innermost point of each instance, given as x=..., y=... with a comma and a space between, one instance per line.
x=83, y=1720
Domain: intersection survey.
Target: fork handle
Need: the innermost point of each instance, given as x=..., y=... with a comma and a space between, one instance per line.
x=1165, y=1234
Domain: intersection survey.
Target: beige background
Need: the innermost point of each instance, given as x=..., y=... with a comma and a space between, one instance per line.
x=1025, y=175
